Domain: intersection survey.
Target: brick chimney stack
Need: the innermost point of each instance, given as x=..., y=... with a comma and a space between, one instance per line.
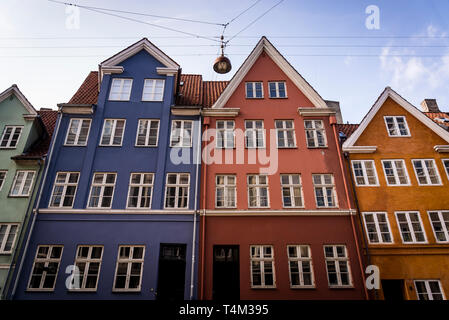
x=430, y=105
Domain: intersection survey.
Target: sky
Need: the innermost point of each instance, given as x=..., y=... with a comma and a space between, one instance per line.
x=48, y=50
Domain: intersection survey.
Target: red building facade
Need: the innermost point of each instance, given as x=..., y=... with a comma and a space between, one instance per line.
x=276, y=222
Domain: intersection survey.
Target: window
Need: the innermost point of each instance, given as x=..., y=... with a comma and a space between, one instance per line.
x=10, y=136
x=254, y=134
x=181, y=133
x=397, y=126
x=300, y=266
x=365, y=173
x=285, y=133
x=102, y=190
x=324, y=190
x=147, y=133
x=120, y=89
x=225, y=134
x=426, y=172
x=446, y=166
x=78, y=132
x=254, y=90
x=225, y=191
x=140, y=190
x=291, y=190
x=395, y=172
x=112, y=132
x=277, y=89
x=429, y=290
x=258, y=191
x=8, y=233
x=128, y=273
x=337, y=265
x=177, y=190
x=64, y=189
x=262, y=267
x=153, y=90
x=23, y=181
x=440, y=225
x=2, y=178
x=315, y=134
x=411, y=227
x=45, y=268
x=88, y=260
x=377, y=227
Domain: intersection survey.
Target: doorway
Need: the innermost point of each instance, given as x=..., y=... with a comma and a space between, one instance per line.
x=172, y=269
x=393, y=289
x=226, y=273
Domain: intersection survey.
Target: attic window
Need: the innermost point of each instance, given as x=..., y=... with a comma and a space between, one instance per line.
x=10, y=137
x=277, y=89
x=397, y=126
x=120, y=89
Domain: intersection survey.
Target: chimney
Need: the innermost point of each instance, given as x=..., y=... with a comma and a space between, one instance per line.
x=430, y=105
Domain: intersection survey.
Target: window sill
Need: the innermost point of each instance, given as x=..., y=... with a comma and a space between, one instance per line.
x=8, y=148
x=145, y=146
x=112, y=145
x=302, y=287
x=294, y=147
x=39, y=290
x=324, y=147
x=126, y=291
x=263, y=287
x=342, y=287
x=74, y=145
x=255, y=98
x=278, y=97
x=10, y=196
x=82, y=290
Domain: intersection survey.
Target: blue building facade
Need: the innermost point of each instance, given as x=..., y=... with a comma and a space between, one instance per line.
x=133, y=232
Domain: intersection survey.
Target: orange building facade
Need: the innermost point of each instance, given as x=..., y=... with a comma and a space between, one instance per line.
x=399, y=162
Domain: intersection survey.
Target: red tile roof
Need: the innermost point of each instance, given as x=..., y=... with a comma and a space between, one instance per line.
x=438, y=118
x=190, y=92
x=88, y=92
x=40, y=148
x=211, y=91
x=347, y=129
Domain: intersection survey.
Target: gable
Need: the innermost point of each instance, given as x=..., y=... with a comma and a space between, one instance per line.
x=264, y=46
x=28, y=108
x=395, y=103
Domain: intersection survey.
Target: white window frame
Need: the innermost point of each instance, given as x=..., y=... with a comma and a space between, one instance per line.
x=114, y=126
x=224, y=132
x=129, y=261
x=6, y=236
x=258, y=186
x=314, y=130
x=395, y=173
x=46, y=261
x=87, y=262
x=299, y=259
x=426, y=172
x=253, y=87
x=2, y=181
x=291, y=187
x=364, y=172
x=226, y=189
x=14, y=129
x=445, y=229
x=147, y=133
x=103, y=185
x=428, y=291
x=153, y=87
x=335, y=259
x=377, y=226
x=323, y=189
x=446, y=166
x=177, y=185
x=396, y=127
x=182, y=132
x=284, y=131
x=64, y=184
x=78, y=132
x=140, y=185
x=254, y=133
x=122, y=82
x=22, y=184
x=262, y=259
x=277, y=89
x=410, y=227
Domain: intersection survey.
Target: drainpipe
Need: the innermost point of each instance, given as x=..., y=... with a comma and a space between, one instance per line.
x=36, y=211
x=22, y=231
x=333, y=123
x=198, y=161
x=203, y=227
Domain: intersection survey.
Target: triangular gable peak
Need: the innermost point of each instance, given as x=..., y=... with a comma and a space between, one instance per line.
x=14, y=89
x=350, y=144
x=112, y=65
x=265, y=46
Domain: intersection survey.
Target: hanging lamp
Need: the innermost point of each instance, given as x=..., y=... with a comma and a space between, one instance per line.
x=222, y=64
